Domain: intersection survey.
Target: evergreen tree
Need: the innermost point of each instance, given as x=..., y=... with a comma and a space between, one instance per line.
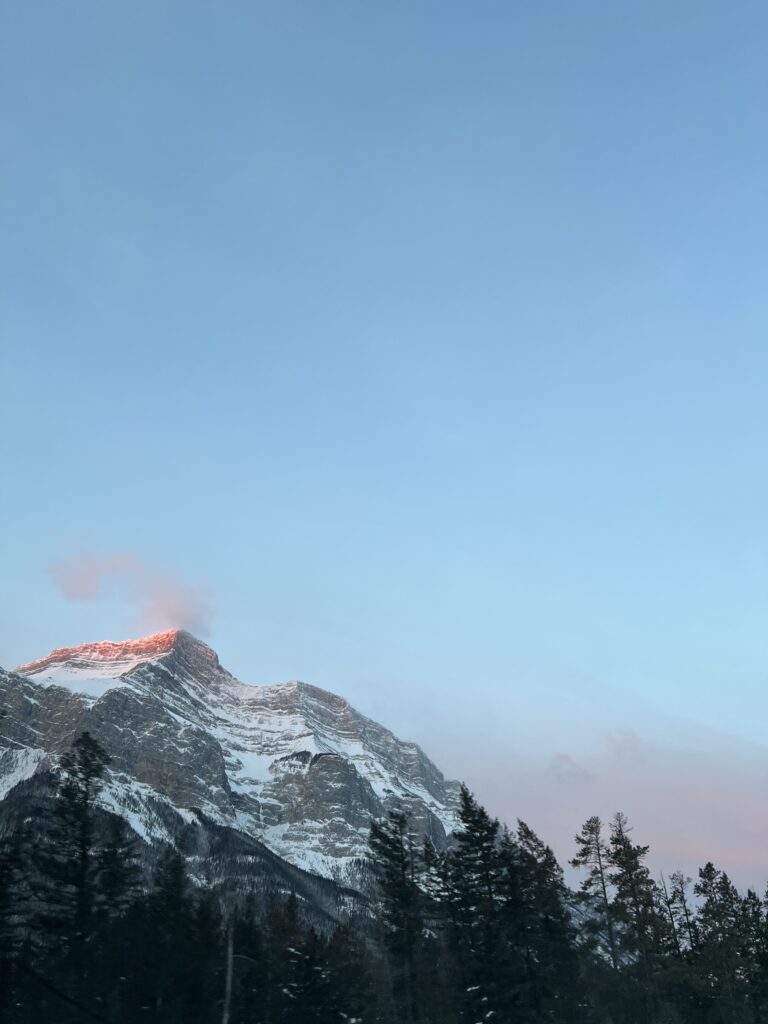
x=683, y=913
x=641, y=930
x=753, y=952
x=475, y=876
x=65, y=882
x=11, y=874
x=395, y=853
x=719, y=951
x=67, y=860
x=485, y=931
x=250, y=978
x=118, y=895
x=351, y=984
x=119, y=868
x=300, y=987
x=169, y=966
x=552, y=964
x=594, y=855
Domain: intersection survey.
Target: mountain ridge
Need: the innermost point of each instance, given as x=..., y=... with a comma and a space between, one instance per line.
x=290, y=764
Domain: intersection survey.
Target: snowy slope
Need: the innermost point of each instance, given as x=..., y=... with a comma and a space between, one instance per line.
x=290, y=764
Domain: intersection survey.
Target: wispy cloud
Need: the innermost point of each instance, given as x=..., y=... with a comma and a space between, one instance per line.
x=569, y=772
x=626, y=747
x=160, y=599
x=693, y=796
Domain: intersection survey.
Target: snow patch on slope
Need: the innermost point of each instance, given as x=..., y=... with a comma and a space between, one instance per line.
x=17, y=765
x=90, y=682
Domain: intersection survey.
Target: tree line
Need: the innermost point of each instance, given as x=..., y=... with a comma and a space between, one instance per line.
x=486, y=931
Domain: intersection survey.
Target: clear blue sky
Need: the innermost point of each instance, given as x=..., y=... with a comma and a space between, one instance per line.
x=431, y=338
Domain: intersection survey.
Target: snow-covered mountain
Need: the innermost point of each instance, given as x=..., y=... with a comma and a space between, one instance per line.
x=291, y=765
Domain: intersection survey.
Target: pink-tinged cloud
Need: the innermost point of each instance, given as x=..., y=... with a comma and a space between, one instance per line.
x=161, y=599
x=626, y=747
x=569, y=772
x=695, y=798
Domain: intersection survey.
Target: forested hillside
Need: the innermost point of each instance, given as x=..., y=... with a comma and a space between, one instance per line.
x=485, y=931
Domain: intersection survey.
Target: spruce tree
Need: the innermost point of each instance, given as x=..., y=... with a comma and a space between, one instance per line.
x=641, y=931
x=719, y=952
x=169, y=966
x=67, y=859
x=593, y=854
x=475, y=893
x=350, y=981
x=65, y=882
x=395, y=853
x=682, y=911
x=119, y=868
x=753, y=952
x=552, y=963
x=250, y=964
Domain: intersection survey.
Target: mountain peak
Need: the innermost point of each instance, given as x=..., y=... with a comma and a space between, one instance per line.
x=123, y=654
x=291, y=765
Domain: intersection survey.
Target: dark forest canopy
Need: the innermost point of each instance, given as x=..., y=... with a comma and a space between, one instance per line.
x=487, y=931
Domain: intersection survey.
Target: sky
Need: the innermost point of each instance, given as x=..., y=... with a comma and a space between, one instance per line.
x=417, y=351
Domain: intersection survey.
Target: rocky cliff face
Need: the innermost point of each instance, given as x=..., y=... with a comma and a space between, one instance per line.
x=290, y=765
